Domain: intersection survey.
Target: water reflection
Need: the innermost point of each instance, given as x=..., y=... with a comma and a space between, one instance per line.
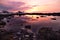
x=36, y=21
x=37, y=18
x=44, y=21
x=31, y=27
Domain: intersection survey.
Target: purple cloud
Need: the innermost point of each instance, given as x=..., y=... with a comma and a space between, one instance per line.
x=11, y=6
x=25, y=8
x=5, y=7
x=16, y=4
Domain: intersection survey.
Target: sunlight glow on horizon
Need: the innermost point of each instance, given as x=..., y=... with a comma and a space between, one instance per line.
x=31, y=6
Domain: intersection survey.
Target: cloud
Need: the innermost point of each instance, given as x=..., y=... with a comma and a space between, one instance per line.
x=4, y=7
x=25, y=8
x=11, y=5
x=16, y=4
x=24, y=5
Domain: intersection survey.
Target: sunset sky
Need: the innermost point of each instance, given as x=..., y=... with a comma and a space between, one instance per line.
x=30, y=5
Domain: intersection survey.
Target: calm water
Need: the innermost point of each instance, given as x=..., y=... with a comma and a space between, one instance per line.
x=36, y=22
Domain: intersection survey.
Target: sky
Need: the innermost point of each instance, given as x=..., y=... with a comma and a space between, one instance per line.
x=30, y=6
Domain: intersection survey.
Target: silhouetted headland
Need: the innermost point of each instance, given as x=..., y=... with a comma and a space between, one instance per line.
x=6, y=13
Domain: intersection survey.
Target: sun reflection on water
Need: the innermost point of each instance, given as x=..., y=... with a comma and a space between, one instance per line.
x=38, y=18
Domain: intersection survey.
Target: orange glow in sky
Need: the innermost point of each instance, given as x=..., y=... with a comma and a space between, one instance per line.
x=31, y=5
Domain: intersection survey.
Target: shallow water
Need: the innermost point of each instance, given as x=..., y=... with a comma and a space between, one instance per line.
x=36, y=22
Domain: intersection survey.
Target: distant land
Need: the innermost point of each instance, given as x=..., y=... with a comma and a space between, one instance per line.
x=6, y=13
x=54, y=14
